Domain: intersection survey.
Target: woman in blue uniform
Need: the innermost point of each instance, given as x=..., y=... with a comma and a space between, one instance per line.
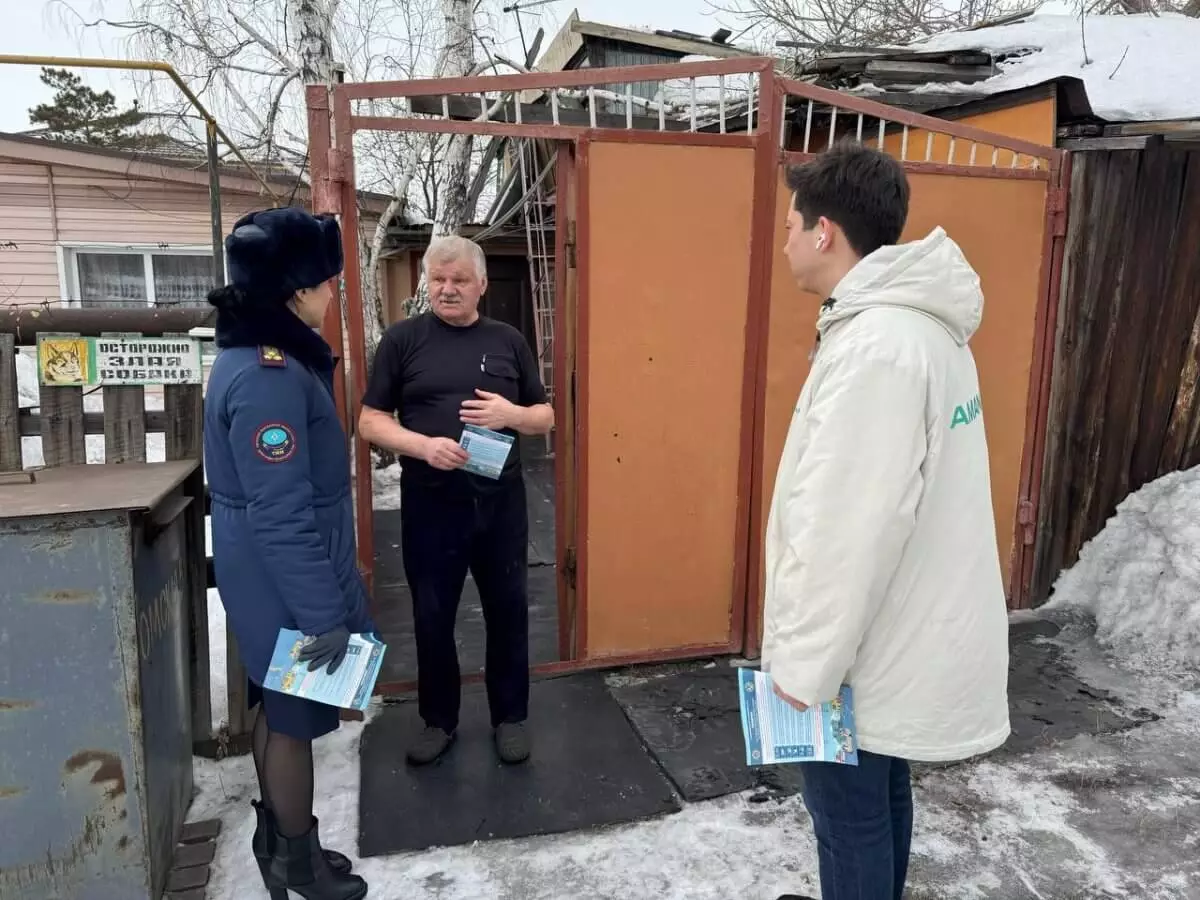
x=282, y=518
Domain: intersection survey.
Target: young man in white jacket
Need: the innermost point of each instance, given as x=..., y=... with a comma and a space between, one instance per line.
x=881, y=558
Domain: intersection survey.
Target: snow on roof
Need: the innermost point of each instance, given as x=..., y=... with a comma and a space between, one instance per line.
x=1136, y=68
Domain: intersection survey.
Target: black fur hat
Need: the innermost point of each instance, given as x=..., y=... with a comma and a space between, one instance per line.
x=276, y=252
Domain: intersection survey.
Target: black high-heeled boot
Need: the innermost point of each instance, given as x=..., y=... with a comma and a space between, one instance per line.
x=263, y=844
x=298, y=865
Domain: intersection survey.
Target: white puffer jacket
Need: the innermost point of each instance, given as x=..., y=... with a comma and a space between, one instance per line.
x=881, y=563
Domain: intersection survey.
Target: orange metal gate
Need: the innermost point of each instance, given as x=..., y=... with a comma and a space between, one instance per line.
x=681, y=346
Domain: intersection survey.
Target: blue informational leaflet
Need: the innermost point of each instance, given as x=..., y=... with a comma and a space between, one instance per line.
x=777, y=732
x=488, y=450
x=349, y=687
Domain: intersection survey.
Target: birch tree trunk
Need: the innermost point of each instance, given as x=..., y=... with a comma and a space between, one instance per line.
x=457, y=59
x=312, y=31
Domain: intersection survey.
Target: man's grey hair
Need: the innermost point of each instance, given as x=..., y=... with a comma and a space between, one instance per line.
x=452, y=248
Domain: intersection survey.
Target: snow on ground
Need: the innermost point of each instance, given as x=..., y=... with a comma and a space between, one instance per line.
x=1104, y=817
x=1114, y=817
x=1140, y=577
x=1136, y=68
x=218, y=657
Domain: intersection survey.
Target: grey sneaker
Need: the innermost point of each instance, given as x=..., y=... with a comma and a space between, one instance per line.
x=429, y=745
x=512, y=742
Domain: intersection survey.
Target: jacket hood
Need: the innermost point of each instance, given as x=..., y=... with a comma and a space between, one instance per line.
x=930, y=276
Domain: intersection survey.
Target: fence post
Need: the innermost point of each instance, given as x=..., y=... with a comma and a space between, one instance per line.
x=63, y=441
x=10, y=424
x=184, y=409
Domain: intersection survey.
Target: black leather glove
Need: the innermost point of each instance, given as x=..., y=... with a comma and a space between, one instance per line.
x=326, y=649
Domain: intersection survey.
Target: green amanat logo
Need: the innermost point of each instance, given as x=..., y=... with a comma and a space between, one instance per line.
x=966, y=413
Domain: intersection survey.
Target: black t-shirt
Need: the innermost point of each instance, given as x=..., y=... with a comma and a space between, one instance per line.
x=425, y=369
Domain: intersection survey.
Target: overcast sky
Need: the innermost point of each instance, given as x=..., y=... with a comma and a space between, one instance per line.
x=37, y=27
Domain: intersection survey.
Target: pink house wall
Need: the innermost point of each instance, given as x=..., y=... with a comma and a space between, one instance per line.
x=45, y=206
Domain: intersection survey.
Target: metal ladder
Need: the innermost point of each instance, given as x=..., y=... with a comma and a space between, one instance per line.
x=538, y=214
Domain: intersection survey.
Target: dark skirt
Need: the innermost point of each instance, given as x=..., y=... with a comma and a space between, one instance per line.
x=304, y=720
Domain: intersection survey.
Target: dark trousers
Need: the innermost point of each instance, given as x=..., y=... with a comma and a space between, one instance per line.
x=862, y=816
x=446, y=531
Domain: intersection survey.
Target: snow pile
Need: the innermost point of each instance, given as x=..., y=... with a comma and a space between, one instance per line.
x=27, y=381
x=1136, y=68
x=1140, y=577
x=387, y=487
x=218, y=656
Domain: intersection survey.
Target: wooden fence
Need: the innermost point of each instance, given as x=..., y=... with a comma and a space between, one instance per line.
x=1124, y=405
x=63, y=423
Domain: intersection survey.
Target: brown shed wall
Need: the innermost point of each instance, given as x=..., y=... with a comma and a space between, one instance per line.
x=1124, y=402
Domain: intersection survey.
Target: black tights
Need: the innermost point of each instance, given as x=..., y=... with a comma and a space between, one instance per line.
x=285, y=777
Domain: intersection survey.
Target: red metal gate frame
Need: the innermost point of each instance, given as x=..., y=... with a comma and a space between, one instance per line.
x=1050, y=165
x=332, y=126
x=331, y=130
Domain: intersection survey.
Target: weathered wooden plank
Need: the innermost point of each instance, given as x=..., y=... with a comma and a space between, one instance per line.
x=1051, y=532
x=1186, y=280
x=199, y=650
x=183, y=411
x=1088, y=233
x=1127, y=359
x=1135, y=142
x=1171, y=126
x=1171, y=314
x=124, y=424
x=183, y=408
x=63, y=441
x=1181, y=431
x=1125, y=406
x=901, y=72
x=10, y=420
x=1103, y=300
x=240, y=719
x=27, y=322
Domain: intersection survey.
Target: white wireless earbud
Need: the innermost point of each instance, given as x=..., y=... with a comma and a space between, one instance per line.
x=821, y=242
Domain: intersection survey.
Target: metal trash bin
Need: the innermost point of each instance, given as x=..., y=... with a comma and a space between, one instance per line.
x=95, y=728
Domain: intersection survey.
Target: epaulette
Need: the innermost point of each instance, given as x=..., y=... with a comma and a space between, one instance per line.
x=271, y=356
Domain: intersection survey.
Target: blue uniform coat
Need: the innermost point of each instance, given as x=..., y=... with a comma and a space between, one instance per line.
x=278, y=471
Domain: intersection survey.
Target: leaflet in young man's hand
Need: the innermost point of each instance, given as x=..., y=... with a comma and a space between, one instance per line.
x=349, y=687
x=777, y=732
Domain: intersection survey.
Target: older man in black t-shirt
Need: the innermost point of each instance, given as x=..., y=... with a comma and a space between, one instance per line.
x=442, y=371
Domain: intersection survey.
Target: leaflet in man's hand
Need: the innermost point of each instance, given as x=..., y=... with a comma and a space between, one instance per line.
x=349, y=687
x=777, y=732
x=488, y=450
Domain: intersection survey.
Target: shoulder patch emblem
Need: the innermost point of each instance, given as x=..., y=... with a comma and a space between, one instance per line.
x=271, y=356
x=275, y=442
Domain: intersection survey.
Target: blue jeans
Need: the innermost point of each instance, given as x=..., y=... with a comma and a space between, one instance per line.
x=862, y=816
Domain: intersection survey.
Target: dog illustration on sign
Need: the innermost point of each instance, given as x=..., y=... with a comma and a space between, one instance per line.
x=63, y=361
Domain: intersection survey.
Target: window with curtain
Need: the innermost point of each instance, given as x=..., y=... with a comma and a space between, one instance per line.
x=181, y=280
x=104, y=279
x=111, y=279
